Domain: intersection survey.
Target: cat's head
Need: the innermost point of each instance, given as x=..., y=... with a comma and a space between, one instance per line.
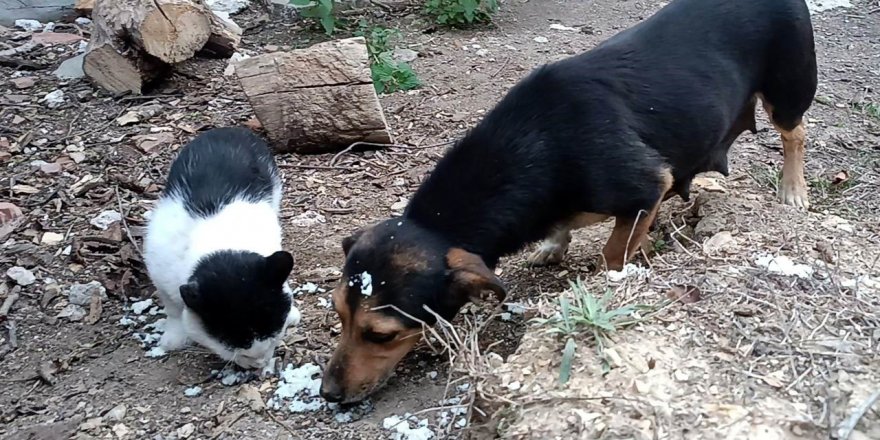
x=238, y=305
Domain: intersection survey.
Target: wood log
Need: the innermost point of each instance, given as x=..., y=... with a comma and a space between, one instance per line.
x=225, y=37
x=315, y=100
x=170, y=30
x=117, y=70
x=84, y=7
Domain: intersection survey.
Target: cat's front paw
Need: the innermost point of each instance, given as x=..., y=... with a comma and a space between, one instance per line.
x=173, y=339
x=293, y=317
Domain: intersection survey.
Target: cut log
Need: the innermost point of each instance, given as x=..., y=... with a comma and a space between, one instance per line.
x=135, y=41
x=84, y=7
x=117, y=70
x=170, y=30
x=315, y=100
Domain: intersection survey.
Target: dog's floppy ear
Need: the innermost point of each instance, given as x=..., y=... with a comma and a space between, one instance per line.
x=190, y=294
x=471, y=279
x=349, y=241
x=279, y=266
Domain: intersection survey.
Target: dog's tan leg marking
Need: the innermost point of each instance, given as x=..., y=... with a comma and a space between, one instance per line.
x=793, y=187
x=629, y=233
x=552, y=250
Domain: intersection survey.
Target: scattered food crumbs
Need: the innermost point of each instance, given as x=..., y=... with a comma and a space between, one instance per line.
x=298, y=390
x=156, y=352
x=515, y=308
x=629, y=271
x=125, y=321
x=783, y=265
x=403, y=431
x=308, y=287
x=432, y=375
x=463, y=388
x=229, y=376
x=366, y=284
x=140, y=307
x=506, y=316
x=324, y=302
x=193, y=392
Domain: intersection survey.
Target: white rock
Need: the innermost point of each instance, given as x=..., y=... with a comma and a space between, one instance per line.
x=193, y=392
x=72, y=312
x=121, y=430
x=117, y=413
x=233, y=60
x=784, y=265
x=156, y=352
x=105, y=219
x=51, y=238
x=541, y=40
x=28, y=25
x=54, y=98
x=140, y=307
x=186, y=431
x=81, y=294
x=21, y=276
x=83, y=21
x=72, y=68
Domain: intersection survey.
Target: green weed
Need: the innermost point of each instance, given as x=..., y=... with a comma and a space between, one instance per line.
x=389, y=75
x=461, y=12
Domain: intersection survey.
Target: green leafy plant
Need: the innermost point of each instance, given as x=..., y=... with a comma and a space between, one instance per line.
x=320, y=10
x=585, y=313
x=389, y=75
x=461, y=12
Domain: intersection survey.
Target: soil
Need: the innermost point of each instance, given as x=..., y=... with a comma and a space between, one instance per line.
x=760, y=353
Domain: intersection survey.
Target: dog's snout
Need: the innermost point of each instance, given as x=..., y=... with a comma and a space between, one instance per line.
x=331, y=391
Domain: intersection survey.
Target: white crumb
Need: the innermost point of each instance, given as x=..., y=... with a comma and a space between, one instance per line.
x=156, y=352
x=193, y=392
x=403, y=431
x=342, y=417
x=231, y=377
x=298, y=390
x=323, y=302
x=308, y=287
x=399, y=223
x=125, y=321
x=432, y=375
x=464, y=387
x=366, y=284
x=140, y=306
x=515, y=308
x=629, y=271
x=461, y=423
x=783, y=265
x=506, y=316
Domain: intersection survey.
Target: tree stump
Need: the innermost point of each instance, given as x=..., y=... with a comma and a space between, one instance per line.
x=136, y=41
x=315, y=100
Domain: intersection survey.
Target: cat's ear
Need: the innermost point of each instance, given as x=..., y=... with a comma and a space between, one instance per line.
x=349, y=241
x=189, y=292
x=278, y=266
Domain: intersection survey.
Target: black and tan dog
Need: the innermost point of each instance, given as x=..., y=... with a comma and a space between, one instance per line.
x=608, y=133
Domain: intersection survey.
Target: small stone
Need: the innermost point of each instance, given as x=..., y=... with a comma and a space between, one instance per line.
x=83, y=21
x=77, y=156
x=562, y=27
x=270, y=48
x=129, y=118
x=51, y=238
x=73, y=313
x=193, y=392
x=28, y=25
x=186, y=431
x=91, y=424
x=404, y=55
x=106, y=218
x=53, y=99
x=9, y=213
x=50, y=168
x=120, y=430
x=21, y=276
x=541, y=40
x=71, y=68
x=16, y=120
x=24, y=82
x=718, y=242
x=81, y=294
x=53, y=38
x=117, y=413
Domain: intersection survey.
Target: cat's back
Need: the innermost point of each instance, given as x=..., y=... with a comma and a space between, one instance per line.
x=221, y=166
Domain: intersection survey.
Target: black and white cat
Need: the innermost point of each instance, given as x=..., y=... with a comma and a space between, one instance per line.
x=213, y=249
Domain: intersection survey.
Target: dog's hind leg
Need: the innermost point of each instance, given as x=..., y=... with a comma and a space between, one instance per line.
x=793, y=186
x=630, y=232
x=552, y=250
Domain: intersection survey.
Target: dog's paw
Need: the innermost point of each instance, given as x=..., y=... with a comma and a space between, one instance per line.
x=547, y=254
x=794, y=192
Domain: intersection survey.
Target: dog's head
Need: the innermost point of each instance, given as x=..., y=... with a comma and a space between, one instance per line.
x=237, y=305
x=397, y=275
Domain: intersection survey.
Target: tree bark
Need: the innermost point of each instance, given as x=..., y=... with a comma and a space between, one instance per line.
x=315, y=100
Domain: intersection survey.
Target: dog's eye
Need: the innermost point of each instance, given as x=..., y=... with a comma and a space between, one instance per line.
x=379, y=338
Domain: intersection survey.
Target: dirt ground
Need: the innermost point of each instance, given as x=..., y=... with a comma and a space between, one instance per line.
x=760, y=355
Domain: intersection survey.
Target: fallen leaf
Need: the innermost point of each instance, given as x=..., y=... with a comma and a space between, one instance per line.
x=51, y=168
x=840, y=177
x=250, y=395
x=24, y=189
x=709, y=184
x=826, y=251
x=685, y=294
x=95, y=309
x=149, y=142
x=775, y=379
x=718, y=242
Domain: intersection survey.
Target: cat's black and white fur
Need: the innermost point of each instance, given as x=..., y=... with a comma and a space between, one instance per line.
x=213, y=249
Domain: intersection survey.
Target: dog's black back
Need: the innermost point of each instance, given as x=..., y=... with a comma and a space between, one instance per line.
x=592, y=132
